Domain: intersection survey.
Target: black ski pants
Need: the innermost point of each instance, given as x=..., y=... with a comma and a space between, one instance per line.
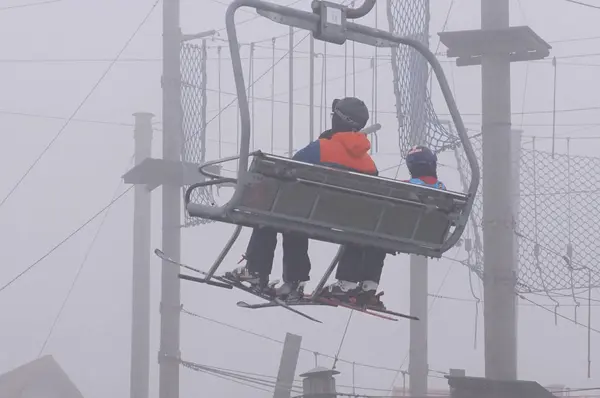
x=357, y=264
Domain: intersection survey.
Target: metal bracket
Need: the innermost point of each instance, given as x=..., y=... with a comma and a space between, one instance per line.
x=164, y=357
x=323, y=23
x=332, y=24
x=162, y=307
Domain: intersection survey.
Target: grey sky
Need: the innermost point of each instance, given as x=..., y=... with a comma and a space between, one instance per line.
x=80, y=173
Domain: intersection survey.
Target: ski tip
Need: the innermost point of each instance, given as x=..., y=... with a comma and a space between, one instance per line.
x=243, y=304
x=159, y=252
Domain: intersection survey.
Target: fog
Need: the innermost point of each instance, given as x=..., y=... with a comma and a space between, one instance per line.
x=52, y=57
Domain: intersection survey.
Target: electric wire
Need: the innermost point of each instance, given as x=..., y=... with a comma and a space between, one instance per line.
x=65, y=240
x=337, y=355
x=274, y=340
x=28, y=5
x=81, y=104
x=81, y=266
x=583, y=4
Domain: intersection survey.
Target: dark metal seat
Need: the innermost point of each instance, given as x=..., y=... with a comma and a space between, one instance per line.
x=340, y=206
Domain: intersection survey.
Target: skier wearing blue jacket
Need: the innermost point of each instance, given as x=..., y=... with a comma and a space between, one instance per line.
x=358, y=280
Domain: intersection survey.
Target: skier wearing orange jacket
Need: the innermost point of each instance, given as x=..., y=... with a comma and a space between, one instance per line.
x=343, y=146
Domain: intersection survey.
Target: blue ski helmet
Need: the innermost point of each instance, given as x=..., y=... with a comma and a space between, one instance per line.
x=420, y=157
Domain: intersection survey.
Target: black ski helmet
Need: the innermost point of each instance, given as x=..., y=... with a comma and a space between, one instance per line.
x=421, y=161
x=350, y=113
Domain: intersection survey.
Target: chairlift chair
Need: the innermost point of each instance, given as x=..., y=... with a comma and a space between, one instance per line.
x=325, y=203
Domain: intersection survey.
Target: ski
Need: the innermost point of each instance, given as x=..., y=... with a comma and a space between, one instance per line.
x=166, y=258
x=322, y=301
x=272, y=300
x=228, y=283
x=292, y=303
x=336, y=302
x=386, y=311
x=393, y=313
x=201, y=280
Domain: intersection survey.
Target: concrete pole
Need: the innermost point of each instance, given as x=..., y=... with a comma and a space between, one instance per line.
x=311, y=90
x=291, y=95
x=140, y=303
x=418, y=368
x=287, y=366
x=171, y=203
x=500, y=316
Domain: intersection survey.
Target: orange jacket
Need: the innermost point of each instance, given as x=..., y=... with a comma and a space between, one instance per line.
x=346, y=149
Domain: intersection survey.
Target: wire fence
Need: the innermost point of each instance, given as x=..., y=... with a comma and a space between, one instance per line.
x=557, y=225
x=193, y=106
x=418, y=122
x=558, y=220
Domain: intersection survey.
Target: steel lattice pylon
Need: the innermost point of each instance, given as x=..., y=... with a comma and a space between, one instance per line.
x=558, y=222
x=193, y=104
x=417, y=120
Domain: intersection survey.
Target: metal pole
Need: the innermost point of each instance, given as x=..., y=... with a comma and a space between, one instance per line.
x=499, y=274
x=418, y=368
x=140, y=303
x=287, y=366
x=554, y=107
x=291, y=96
x=311, y=89
x=171, y=204
x=589, y=328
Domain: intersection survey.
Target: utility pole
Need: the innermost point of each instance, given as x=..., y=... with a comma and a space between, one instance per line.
x=311, y=90
x=494, y=47
x=291, y=94
x=171, y=174
x=418, y=367
x=140, y=303
x=171, y=204
x=500, y=310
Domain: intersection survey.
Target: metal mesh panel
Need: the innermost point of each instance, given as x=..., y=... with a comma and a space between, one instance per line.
x=559, y=202
x=558, y=220
x=418, y=123
x=193, y=104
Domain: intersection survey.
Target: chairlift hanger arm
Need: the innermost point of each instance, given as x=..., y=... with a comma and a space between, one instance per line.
x=359, y=12
x=355, y=32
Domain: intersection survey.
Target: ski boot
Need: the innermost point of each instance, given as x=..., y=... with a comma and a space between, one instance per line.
x=344, y=291
x=368, y=297
x=290, y=291
x=258, y=282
